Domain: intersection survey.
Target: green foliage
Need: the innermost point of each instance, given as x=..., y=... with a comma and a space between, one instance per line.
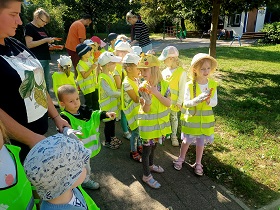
x=273, y=33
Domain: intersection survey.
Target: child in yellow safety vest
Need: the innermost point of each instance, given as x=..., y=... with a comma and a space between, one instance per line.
x=130, y=102
x=153, y=115
x=13, y=181
x=85, y=121
x=112, y=38
x=86, y=78
x=64, y=76
x=109, y=96
x=197, y=114
x=177, y=78
x=121, y=49
x=56, y=166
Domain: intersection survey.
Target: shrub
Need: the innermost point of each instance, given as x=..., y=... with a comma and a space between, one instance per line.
x=273, y=33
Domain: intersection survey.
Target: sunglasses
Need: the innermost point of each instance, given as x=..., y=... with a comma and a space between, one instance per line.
x=43, y=20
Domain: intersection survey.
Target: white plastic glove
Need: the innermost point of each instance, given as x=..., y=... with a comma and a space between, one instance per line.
x=71, y=133
x=202, y=96
x=147, y=97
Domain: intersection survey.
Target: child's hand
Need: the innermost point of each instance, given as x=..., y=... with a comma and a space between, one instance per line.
x=179, y=106
x=111, y=115
x=147, y=98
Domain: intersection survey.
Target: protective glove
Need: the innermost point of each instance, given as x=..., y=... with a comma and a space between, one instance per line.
x=202, y=96
x=71, y=133
x=147, y=97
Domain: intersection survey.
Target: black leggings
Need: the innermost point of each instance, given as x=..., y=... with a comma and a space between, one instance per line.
x=91, y=100
x=148, y=158
x=109, y=130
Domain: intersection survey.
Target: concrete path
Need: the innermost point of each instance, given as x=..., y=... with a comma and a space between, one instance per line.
x=120, y=177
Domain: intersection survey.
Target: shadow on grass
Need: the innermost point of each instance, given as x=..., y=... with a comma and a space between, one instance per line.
x=259, y=105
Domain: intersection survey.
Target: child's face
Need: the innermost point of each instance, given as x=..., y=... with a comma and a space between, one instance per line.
x=168, y=61
x=133, y=71
x=112, y=43
x=121, y=53
x=111, y=66
x=87, y=55
x=71, y=102
x=81, y=179
x=204, y=71
x=94, y=46
x=146, y=73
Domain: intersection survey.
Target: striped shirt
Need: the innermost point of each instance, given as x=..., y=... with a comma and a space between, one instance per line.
x=142, y=33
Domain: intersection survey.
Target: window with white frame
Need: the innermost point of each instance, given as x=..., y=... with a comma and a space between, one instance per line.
x=234, y=20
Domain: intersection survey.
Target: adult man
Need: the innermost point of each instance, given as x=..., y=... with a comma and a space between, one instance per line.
x=77, y=35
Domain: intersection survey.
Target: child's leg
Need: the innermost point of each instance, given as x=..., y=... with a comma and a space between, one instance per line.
x=95, y=104
x=183, y=150
x=199, y=150
x=145, y=159
x=88, y=100
x=174, y=123
x=126, y=133
x=134, y=137
x=109, y=131
x=147, y=177
x=88, y=182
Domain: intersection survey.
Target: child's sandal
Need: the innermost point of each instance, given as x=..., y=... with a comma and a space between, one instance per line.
x=115, y=139
x=157, y=169
x=151, y=182
x=177, y=164
x=198, y=169
x=136, y=156
x=140, y=149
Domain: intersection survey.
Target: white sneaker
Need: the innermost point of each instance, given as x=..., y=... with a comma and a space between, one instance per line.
x=127, y=135
x=174, y=142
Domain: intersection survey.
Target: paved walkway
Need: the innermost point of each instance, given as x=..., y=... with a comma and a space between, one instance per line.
x=120, y=177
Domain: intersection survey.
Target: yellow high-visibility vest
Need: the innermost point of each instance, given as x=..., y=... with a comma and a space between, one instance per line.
x=131, y=111
x=174, y=87
x=109, y=104
x=88, y=84
x=201, y=121
x=60, y=78
x=155, y=123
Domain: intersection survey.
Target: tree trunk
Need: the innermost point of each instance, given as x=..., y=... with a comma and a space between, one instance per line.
x=214, y=27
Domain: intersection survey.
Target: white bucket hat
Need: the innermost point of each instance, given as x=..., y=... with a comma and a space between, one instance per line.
x=137, y=50
x=108, y=57
x=200, y=56
x=167, y=52
x=131, y=58
x=65, y=60
x=125, y=46
x=54, y=164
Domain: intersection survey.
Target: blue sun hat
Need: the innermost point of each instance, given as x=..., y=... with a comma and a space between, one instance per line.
x=54, y=164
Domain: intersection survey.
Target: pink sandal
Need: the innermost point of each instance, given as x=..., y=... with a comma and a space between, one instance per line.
x=198, y=169
x=177, y=164
x=149, y=180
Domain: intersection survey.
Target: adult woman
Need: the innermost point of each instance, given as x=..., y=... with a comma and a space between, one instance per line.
x=25, y=103
x=37, y=40
x=141, y=32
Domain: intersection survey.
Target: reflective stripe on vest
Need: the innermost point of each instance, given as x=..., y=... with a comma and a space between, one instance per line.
x=87, y=85
x=131, y=111
x=174, y=87
x=201, y=121
x=18, y=195
x=155, y=123
x=108, y=104
x=89, y=129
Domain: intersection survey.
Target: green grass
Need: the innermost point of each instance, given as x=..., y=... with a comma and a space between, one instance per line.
x=245, y=156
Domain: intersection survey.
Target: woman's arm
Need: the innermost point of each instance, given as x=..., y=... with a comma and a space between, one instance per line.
x=53, y=113
x=31, y=44
x=18, y=132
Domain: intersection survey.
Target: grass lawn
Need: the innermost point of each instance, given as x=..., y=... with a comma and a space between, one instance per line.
x=245, y=156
